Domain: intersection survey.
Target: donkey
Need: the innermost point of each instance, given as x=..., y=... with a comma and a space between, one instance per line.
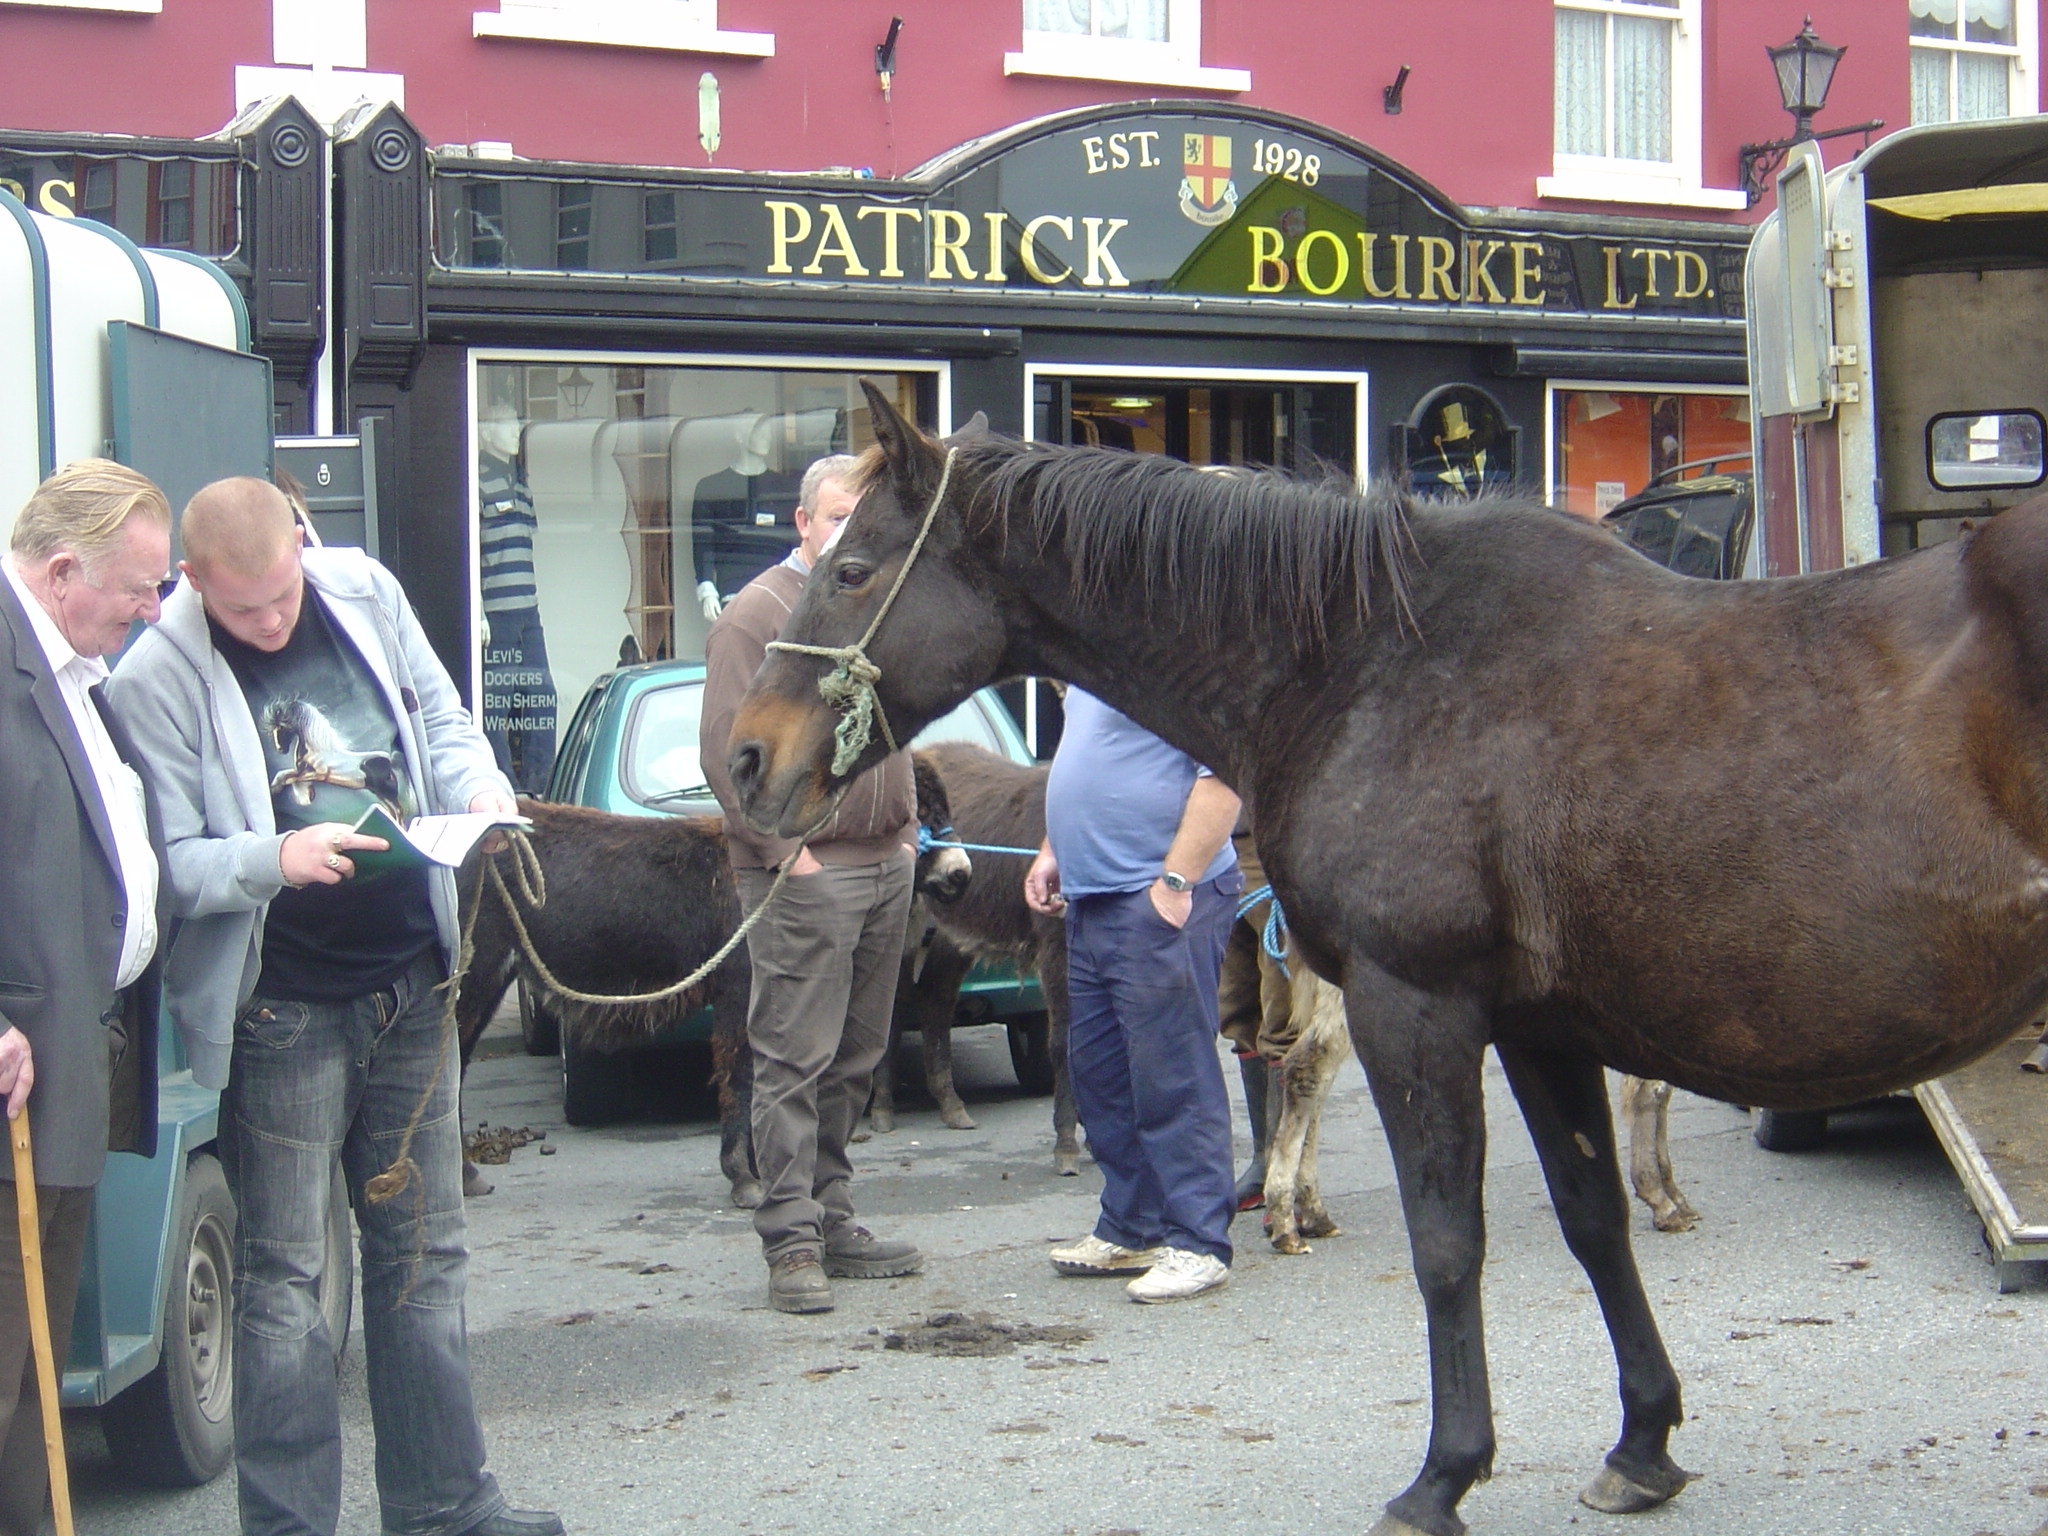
x=1001, y=804
x=1779, y=842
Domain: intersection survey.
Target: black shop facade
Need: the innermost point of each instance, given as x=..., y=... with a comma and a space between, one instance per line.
x=596, y=388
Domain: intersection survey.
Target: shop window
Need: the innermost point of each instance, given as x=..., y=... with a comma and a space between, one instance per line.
x=1972, y=58
x=681, y=26
x=609, y=496
x=95, y=182
x=1138, y=42
x=1459, y=444
x=1610, y=444
x=1626, y=103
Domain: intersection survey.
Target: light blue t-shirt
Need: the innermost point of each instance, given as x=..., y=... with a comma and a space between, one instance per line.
x=1114, y=802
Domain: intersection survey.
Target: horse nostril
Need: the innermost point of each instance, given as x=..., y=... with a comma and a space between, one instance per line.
x=745, y=767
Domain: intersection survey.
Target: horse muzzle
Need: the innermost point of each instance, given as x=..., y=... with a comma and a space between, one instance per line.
x=777, y=760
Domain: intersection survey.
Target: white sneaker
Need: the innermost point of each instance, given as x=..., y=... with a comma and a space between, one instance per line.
x=1178, y=1275
x=1090, y=1255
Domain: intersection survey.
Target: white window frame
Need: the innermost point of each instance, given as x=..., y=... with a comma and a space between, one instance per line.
x=1177, y=62
x=2023, y=78
x=676, y=26
x=134, y=7
x=555, y=357
x=1679, y=184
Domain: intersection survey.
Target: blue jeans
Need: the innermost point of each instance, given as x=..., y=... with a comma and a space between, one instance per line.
x=1141, y=1051
x=311, y=1082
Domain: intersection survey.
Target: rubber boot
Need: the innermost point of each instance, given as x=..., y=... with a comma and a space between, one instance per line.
x=1251, y=1184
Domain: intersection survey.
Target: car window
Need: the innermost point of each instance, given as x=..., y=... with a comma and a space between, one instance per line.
x=575, y=750
x=966, y=722
x=659, y=763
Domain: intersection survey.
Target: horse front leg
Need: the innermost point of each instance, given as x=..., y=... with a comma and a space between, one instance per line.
x=1421, y=1052
x=1564, y=1100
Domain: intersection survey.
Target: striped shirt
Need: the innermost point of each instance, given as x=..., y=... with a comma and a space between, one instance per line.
x=506, y=527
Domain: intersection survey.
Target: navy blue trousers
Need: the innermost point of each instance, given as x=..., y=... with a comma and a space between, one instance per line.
x=1141, y=1048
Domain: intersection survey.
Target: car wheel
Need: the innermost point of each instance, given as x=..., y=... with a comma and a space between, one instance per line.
x=338, y=1272
x=1791, y=1130
x=175, y=1428
x=596, y=1085
x=540, y=1029
x=1031, y=1052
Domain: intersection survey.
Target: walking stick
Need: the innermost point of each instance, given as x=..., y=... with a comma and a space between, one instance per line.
x=39, y=1317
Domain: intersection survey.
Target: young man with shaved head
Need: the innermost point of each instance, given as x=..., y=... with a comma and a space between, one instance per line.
x=285, y=691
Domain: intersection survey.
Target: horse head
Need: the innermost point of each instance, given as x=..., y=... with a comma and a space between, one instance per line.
x=899, y=641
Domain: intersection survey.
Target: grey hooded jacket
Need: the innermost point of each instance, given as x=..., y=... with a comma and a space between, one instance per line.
x=182, y=705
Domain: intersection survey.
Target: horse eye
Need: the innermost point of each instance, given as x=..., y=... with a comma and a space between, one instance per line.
x=852, y=577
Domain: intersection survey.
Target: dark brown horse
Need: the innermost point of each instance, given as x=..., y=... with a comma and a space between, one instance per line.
x=1779, y=842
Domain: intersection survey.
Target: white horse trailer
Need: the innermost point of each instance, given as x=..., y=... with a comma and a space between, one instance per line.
x=1898, y=307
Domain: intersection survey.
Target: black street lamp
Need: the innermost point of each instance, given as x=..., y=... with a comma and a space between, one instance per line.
x=1805, y=68
x=575, y=389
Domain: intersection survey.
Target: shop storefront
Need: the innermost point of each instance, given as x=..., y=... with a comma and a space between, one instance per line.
x=599, y=386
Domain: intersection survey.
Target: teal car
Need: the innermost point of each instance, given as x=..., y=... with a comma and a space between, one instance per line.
x=631, y=748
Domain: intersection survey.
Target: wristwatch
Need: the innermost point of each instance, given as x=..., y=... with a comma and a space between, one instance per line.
x=1177, y=882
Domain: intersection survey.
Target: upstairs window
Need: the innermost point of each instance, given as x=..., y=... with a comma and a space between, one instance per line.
x=1626, y=98
x=1137, y=42
x=681, y=26
x=1969, y=58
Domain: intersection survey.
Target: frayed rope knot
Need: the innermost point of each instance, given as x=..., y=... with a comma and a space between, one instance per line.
x=849, y=687
x=392, y=1182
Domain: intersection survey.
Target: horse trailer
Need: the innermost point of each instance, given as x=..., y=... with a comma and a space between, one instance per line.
x=111, y=351
x=1895, y=312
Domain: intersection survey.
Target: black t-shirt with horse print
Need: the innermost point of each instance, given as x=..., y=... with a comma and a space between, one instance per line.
x=332, y=748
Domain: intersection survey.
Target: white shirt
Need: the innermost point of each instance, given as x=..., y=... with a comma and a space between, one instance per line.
x=120, y=788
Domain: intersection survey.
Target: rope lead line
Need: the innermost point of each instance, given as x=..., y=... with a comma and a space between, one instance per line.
x=850, y=686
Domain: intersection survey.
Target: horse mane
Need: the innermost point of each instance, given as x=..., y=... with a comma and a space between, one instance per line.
x=1226, y=548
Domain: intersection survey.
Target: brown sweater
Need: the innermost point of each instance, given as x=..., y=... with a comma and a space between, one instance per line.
x=878, y=814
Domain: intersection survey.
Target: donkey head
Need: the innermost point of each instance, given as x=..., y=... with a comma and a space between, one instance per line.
x=940, y=639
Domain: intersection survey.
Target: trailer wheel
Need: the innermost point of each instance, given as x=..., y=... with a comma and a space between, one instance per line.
x=540, y=1030
x=175, y=1428
x=1791, y=1130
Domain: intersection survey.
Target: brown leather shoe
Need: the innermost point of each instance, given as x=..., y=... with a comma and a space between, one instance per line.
x=797, y=1283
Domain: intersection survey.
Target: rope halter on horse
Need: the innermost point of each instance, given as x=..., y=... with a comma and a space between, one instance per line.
x=850, y=686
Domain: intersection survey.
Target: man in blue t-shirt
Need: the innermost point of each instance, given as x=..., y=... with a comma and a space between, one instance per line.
x=1138, y=856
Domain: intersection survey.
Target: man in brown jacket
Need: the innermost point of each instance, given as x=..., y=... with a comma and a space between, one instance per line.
x=825, y=954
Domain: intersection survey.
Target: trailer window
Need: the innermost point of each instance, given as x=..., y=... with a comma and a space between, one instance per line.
x=1982, y=450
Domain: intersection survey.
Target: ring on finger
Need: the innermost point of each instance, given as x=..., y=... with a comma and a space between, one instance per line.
x=334, y=861
x=334, y=842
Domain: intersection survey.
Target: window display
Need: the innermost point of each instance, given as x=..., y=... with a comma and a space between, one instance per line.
x=620, y=506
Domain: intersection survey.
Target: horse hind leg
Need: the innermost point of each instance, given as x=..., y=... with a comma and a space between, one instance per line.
x=1564, y=1101
x=1066, y=1118
x=1647, y=1103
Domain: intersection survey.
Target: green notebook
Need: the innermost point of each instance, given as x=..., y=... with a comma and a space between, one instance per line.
x=425, y=841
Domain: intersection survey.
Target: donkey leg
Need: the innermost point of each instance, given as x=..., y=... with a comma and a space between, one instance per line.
x=1647, y=1103
x=1421, y=1052
x=938, y=1073
x=1289, y=1137
x=1312, y=1064
x=732, y=1066
x=1564, y=1100
x=933, y=1003
x=477, y=997
x=1066, y=1118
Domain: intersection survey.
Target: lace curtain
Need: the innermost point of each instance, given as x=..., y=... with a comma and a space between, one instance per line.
x=1636, y=123
x=1144, y=20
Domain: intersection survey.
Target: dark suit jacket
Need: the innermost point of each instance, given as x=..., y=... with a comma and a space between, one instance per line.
x=62, y=911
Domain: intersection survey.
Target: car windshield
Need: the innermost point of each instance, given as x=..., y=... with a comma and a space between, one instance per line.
x=659, y=764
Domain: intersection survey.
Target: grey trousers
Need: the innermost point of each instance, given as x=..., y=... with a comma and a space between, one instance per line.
x=825, y=958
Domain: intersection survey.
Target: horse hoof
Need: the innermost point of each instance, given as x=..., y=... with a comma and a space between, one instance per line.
x=1066, y=1162
x=747, y=1194
x=1390, y=1525
x=882, y=1122
x=1675, y=1221
x=1320, y=1226
x=1612, y=1493
x=474, y=1184
x=957, y=1118
x=1290, y=1243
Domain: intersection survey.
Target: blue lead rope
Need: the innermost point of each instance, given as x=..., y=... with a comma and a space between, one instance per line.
x=1275, y=935
x=927, y=840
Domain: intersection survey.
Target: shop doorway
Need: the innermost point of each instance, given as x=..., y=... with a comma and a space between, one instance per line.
x=1307, y=423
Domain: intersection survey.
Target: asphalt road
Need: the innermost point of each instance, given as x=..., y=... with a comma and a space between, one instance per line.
x=1848, y=1362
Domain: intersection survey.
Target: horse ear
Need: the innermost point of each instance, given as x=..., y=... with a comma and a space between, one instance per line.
x=977, y=427
x=907, y=450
